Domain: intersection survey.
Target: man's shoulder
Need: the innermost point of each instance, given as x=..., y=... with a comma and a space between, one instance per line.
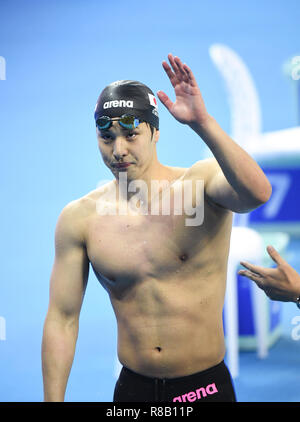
x=74, y=215
x=203, y=169
x=85, y=205
x=76, y=208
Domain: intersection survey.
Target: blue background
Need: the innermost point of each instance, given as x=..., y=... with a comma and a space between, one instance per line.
x=59, y=55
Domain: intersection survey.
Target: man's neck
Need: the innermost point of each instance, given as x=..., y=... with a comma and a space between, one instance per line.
x=153, y=179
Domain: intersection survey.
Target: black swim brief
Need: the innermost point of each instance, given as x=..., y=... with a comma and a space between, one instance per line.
x=213, y=384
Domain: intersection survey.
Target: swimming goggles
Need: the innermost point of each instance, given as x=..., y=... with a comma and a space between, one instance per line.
x=127, y=121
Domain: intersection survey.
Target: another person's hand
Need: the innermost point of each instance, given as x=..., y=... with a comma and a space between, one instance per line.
x=281, y=283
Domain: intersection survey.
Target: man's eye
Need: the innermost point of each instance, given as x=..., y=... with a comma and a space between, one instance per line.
x=106, y=137
x=131, y=135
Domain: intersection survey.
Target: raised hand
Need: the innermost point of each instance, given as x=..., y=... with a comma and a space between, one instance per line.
x=189, y=107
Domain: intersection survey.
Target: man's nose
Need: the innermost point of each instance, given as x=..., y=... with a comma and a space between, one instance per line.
x=120, y=148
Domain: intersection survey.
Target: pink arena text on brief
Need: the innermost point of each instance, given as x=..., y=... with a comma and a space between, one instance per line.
x=198, y=394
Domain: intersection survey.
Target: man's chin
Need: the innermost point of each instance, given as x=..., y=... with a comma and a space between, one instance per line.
x=122, y=170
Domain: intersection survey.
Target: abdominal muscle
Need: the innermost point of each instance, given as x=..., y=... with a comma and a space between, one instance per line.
x=169, y=330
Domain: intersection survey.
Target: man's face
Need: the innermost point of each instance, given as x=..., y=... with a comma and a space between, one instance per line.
x=130, y=150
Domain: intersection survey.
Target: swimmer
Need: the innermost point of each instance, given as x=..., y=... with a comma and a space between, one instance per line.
x=165, y=277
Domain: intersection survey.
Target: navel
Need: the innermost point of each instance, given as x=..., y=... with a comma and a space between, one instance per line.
x=183, y=257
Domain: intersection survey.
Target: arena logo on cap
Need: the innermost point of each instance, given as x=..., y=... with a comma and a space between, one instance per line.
x=152, y=100
x=118, y=103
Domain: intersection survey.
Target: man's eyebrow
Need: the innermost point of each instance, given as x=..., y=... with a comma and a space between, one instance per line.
x=125, y=129
x=105, y=132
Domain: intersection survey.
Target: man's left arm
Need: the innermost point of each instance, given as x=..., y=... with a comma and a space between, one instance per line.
x=235, y=181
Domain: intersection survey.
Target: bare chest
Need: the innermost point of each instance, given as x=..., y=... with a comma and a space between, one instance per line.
x=128, y=249
x=137, y=247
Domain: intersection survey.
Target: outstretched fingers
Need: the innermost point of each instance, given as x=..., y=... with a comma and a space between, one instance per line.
x=191, y=77
x=169, y=72
x=176, y=71
x=179, y=72
x=254, y=268
x=165, y=100
x=179, y=68
x=253, y=272
x=275, y=255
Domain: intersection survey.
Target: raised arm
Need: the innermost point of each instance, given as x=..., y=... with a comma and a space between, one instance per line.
x=234, y=180
x=67, y=286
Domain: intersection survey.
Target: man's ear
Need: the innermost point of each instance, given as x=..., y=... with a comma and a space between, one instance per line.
x=155, y=136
